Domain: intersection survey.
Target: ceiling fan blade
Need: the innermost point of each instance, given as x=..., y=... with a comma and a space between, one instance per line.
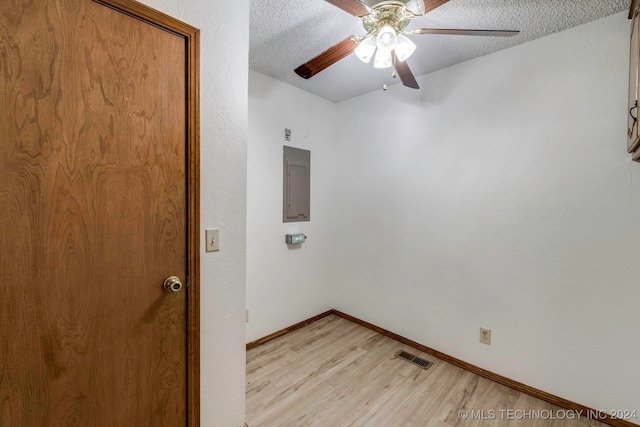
x=493, y=33
x=327, y=58
x=403, y=70
x=354, y=7
x=430, y=5
x=420, y=7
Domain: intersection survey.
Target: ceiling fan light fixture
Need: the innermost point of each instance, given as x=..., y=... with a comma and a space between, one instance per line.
x=383, y=59
x=366, y=49
x=387, y=38
x=416, y=7
x=404, y=48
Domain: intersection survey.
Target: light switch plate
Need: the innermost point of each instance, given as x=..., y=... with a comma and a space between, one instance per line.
x=212, y=236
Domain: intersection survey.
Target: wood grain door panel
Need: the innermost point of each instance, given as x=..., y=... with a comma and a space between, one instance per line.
x=93, y=217
x=633, y=140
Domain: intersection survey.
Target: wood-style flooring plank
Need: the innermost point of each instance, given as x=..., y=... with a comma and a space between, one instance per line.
x=335, y=373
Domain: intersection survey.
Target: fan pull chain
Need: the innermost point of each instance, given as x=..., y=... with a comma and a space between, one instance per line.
x=385, y=86
x=393, y=75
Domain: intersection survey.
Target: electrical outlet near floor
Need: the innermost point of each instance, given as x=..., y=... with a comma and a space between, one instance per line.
x=485, y=336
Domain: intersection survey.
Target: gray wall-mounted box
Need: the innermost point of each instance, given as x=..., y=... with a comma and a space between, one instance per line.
x=295, y=239
x=296, y=200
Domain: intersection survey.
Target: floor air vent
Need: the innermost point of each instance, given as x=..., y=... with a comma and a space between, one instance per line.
x=419, y=362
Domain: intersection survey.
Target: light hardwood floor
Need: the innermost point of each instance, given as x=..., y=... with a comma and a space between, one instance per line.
x=335, y=373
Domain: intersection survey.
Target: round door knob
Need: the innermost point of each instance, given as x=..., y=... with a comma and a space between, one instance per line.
x=173, y=284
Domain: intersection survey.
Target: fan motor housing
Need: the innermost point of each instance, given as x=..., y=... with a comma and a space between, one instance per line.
x=386, y=13
x=374, y=3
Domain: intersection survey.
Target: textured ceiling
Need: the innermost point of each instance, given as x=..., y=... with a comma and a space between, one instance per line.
x=285, y=34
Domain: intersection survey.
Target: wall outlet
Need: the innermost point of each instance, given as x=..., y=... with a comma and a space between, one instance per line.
x=485, y=336
x=246, y=316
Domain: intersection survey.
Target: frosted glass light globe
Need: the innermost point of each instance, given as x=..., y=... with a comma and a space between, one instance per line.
x=387, y=38
x=366, y=49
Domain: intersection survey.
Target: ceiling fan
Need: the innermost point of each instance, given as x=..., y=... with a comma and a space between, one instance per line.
x=385, y=23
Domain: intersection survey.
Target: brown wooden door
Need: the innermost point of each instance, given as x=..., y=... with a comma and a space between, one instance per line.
x=93, y=217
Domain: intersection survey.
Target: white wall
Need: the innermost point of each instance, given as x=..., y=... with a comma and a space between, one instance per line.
x=501, y=196
x=224, y=29
x=286, y=286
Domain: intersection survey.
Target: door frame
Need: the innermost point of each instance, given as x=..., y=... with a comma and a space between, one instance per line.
x=191, y=36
